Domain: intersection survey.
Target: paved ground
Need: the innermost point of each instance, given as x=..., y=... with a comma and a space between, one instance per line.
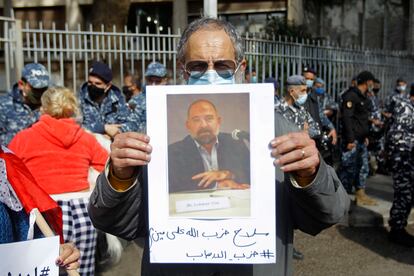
x=358, y=246
x=353, y=251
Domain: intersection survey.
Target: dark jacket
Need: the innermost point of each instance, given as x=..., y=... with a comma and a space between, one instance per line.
x=312, y=106
x=310, y=209
x=355, y=110
x=185, y=161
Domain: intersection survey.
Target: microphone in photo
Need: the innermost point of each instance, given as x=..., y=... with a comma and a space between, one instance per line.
x=238, y=134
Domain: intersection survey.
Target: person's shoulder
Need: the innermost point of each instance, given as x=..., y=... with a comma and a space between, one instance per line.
x=5, y=101
x=116, y=91
x=22, y=137
x=116, y=95
x=350, y=94
x=140, y=98
x=184, y=143
x=83, y=89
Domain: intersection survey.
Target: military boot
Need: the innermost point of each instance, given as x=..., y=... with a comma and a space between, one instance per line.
x=361, y=198
x=401, y=237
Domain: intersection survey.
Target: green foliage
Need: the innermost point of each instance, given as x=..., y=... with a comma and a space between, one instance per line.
x=278, y=26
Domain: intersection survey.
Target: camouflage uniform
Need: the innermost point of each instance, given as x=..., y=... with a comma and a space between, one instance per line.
x=138, y=106
x=326, y=102
x=375, y=109
x=15, y=115
x=401, y=147
x=112, y=110
x=299, y=116
x=392, y=100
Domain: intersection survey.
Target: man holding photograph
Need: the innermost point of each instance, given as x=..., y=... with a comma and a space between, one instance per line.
x=309, y=195
x=207, y=159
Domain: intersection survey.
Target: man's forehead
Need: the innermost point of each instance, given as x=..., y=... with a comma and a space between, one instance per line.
x=209, y=43
x=308, y=74
x=202, y=107
x=95, y=79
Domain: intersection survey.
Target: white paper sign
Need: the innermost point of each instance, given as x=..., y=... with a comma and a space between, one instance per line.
x=30, y=258
x=211, y=179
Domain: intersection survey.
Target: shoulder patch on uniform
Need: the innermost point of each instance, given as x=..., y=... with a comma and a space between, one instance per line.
x=349, y=104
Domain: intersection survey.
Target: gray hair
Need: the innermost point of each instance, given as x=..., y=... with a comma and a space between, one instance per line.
x=210, y=23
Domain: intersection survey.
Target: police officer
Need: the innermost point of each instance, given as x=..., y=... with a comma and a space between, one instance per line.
x=291, y=106
x=400, y=92
x=327, y=108
x=102, y=104
x=19, y=109
x=355, y=119
x=401, y=147
x=155, y=74
x=132, y=86
x=311, y=105
x=376, y=127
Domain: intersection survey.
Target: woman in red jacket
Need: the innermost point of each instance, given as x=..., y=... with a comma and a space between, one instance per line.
x=59, y=153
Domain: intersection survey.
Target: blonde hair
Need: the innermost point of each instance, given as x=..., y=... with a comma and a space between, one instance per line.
x=59, y=102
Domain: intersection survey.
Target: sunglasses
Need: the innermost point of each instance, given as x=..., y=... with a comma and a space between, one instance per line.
x=224, y=68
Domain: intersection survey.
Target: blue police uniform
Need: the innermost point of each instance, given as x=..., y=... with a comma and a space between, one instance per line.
x=112, y=110
x=138, y=106
x=15, y=115
x=298, y=116
x=401, y=149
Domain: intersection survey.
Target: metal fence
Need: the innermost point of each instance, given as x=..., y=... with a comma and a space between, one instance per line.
x=67, y=54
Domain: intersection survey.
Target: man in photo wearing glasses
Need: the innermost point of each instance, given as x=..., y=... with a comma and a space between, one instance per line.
x=207, y=159
x=309, y=195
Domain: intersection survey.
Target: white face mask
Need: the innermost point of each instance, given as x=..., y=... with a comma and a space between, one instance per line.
x=309, y=83
x=302, y=99
x=211, y=77
x=402, y=88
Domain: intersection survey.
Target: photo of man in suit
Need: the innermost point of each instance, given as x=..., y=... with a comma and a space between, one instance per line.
x=207, y=159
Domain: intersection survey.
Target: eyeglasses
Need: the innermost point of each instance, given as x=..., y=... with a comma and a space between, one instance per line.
x=197, y=68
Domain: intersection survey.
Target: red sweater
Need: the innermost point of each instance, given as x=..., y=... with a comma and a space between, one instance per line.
x=58, y=152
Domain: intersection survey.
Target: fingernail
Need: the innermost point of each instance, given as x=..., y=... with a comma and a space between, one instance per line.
x=282, y=168
x=58, y=262
x=277, y=161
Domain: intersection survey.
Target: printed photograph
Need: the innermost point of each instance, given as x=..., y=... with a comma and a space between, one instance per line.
x=208, y=154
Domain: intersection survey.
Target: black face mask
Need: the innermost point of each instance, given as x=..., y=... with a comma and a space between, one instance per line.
x=376, y=90
x=96, y=93
x=127, y=93
x=34, y=97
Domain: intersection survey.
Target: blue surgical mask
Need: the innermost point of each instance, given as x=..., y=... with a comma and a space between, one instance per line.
x=253, y=79
x=302, y=99
x=309, y=83
x=320, y=91
x=210, y=77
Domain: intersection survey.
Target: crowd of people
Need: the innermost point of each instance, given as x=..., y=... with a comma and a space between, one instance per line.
x=375, y=135
x=59, y=138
